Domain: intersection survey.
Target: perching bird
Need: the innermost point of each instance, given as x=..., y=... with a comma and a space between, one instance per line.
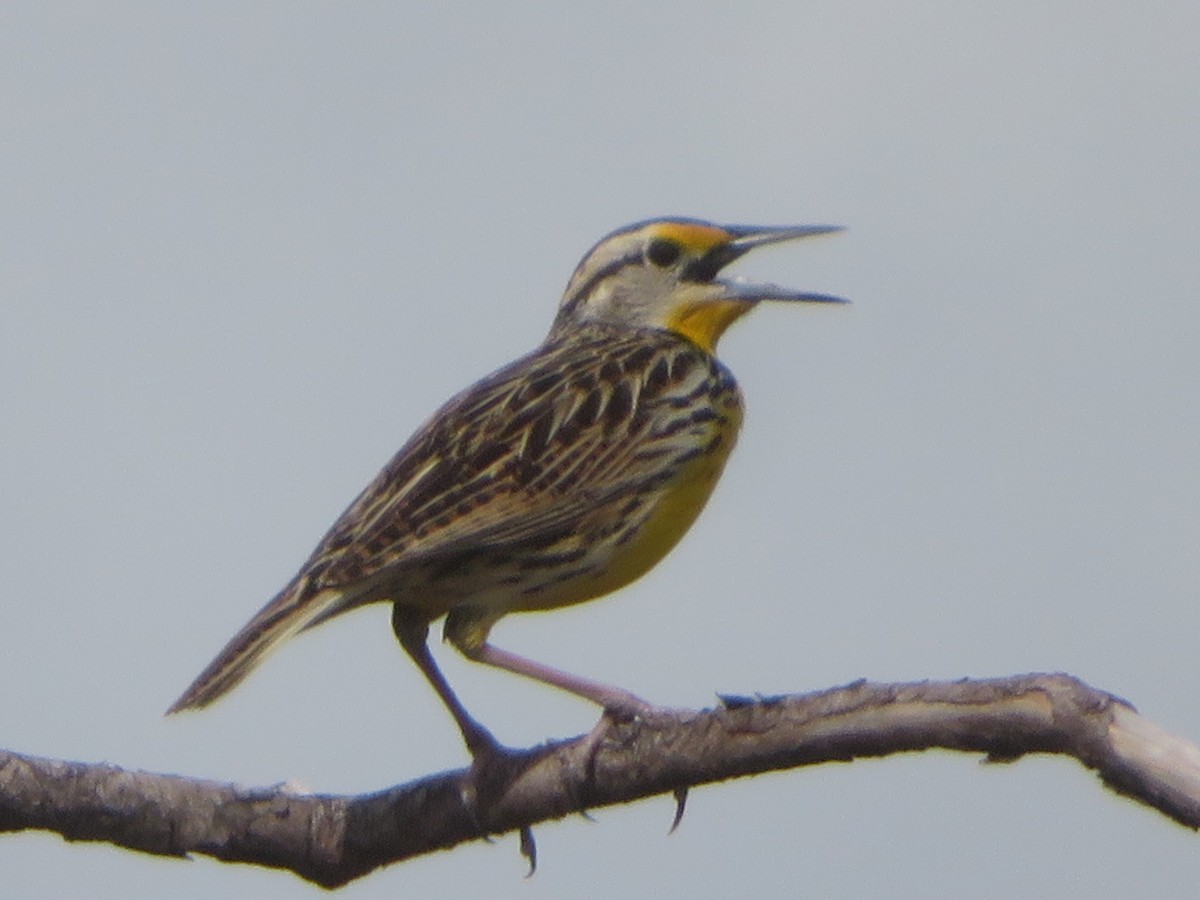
x=557, y=479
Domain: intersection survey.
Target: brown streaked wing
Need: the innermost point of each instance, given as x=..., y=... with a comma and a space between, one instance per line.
x=520, y=454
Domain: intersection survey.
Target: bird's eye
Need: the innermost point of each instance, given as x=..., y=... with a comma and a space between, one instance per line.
x=662, y=252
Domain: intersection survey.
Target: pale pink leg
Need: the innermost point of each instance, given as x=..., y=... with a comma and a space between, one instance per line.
x=614, y=700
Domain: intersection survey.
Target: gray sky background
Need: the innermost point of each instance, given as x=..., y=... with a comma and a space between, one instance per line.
x=247, y=248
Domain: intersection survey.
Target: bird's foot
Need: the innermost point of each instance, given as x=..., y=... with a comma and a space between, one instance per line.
x=621, y=710
x=493, y=768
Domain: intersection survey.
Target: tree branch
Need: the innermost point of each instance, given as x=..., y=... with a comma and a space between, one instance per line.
x=330, y=839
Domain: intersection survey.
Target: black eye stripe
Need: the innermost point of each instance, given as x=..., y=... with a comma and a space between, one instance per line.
x=707, y=266
x=601, y=275
x=663, y=252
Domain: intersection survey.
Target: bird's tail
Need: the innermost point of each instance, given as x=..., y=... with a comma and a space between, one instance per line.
x=292, y=610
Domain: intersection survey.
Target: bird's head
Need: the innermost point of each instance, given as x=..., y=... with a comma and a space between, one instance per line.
x=663, y=274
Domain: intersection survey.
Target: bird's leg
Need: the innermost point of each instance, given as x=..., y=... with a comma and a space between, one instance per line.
x=616, y=702
x=412, y=630
x=468, y=632
x=489, y=757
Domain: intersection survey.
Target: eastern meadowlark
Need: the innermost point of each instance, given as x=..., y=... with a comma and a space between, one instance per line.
x=557, y=479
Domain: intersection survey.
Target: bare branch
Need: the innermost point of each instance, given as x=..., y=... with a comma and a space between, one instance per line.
x=331, y=839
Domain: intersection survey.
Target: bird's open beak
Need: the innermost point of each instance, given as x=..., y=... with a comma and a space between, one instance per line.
x=746, y=239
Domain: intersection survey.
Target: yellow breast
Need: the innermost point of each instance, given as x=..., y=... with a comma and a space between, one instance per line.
x=625, y=557
x=678, y=507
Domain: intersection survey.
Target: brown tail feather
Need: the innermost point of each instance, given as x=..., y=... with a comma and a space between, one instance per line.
x=292, y=610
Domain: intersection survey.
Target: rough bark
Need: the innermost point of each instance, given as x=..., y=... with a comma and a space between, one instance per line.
x=332, y=839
